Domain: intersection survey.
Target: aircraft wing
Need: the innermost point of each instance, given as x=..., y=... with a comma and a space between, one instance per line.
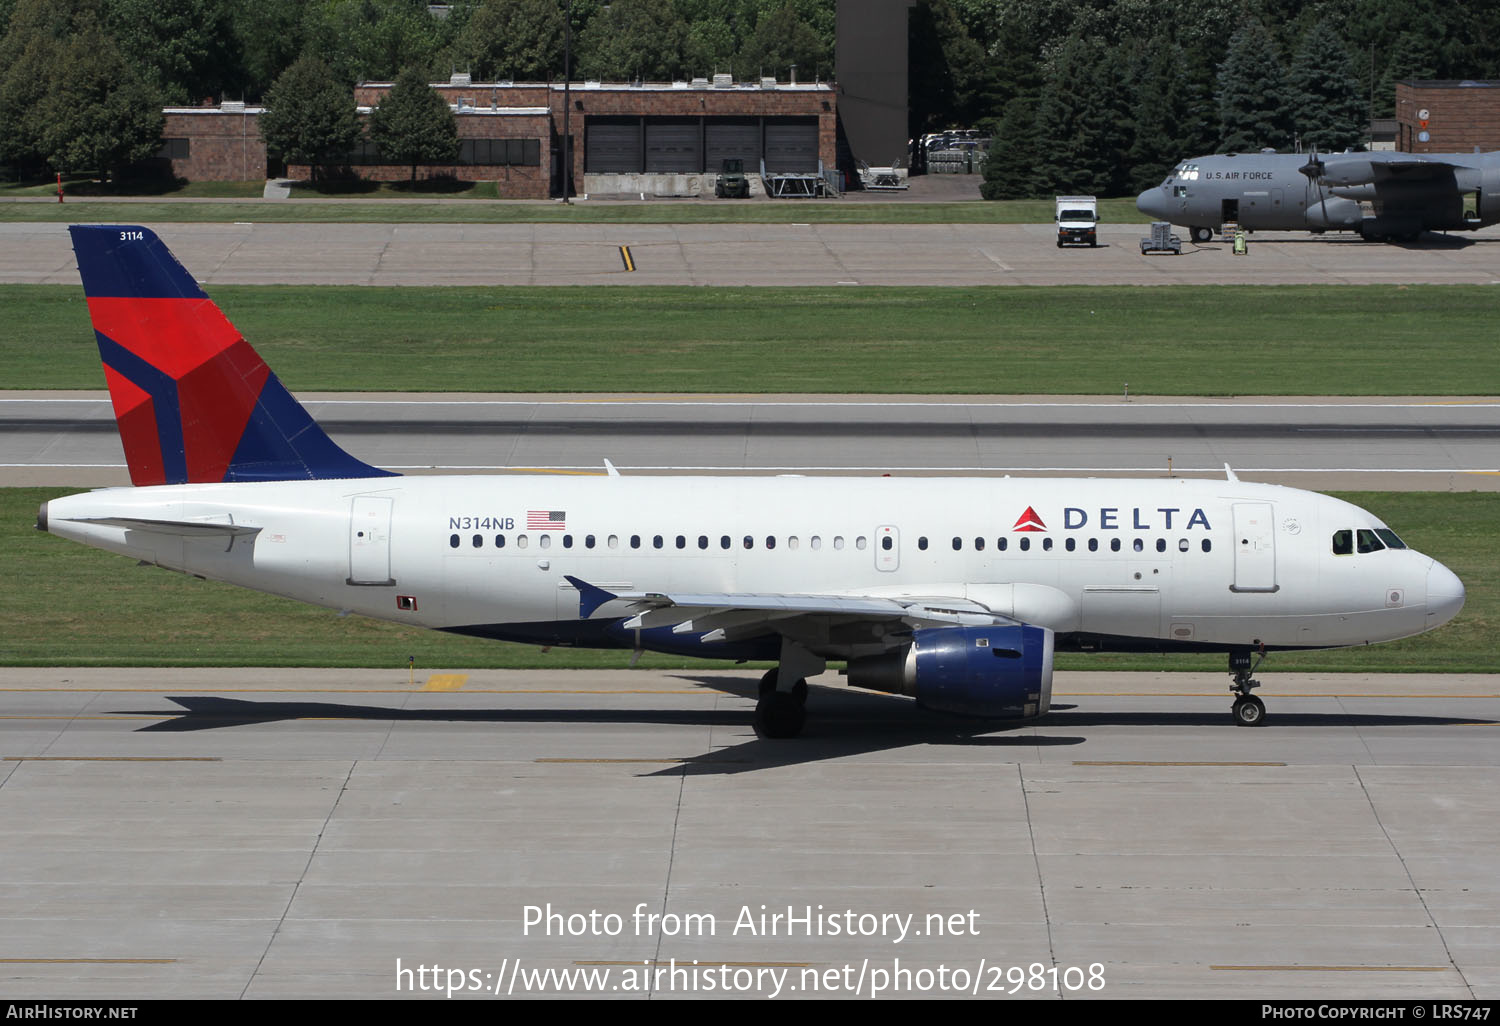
x=1376, y=168
x=723, y=616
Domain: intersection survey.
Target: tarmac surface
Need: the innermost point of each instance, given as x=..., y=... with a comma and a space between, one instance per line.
x=1429, y=444
x=755, y=254
x=295, y=833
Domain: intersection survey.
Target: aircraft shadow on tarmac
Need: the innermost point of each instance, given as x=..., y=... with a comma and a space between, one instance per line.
x=840, y=724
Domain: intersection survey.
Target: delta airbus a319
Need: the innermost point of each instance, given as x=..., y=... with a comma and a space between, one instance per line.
x=955, y=591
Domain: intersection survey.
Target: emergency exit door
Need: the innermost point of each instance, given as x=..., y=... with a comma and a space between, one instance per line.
x=1254, y=547
x=370, y=540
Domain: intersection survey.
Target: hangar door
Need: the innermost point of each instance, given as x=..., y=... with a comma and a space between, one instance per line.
x=792, y=146
x=673, y=146
x=612, y=146
x=726, y=139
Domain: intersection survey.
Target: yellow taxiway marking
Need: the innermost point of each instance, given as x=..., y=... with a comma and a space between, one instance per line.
x=1333, y=968
x=356, y=691
x=446, y=682
x=1102, y=763
x=626, y=258
x=112, y=758
x=87, y=961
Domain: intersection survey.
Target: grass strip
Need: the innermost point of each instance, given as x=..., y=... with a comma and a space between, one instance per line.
x=1177, y=340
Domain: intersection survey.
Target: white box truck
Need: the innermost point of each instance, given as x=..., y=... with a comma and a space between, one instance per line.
x=1077, y=221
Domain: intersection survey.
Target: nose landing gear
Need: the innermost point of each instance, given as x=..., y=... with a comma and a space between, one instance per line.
x=1248, y=711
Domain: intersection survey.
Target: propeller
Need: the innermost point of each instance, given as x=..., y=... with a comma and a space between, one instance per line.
x=1315, y=169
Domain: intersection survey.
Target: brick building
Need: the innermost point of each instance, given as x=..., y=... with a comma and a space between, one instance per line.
x=1447, y=117
x=668, y=138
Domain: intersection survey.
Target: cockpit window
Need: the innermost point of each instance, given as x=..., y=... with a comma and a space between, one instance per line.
x=1388, y=536
x=1343, y=543
x=1368, y=542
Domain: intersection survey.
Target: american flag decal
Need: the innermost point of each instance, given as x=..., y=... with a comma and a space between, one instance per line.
x=546, y=520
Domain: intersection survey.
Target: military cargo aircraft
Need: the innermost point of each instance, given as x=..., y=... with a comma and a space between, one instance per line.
x=1384, y=196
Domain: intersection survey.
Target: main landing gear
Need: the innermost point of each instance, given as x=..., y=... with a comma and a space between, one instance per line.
x=1248, y=711
x=781, y=710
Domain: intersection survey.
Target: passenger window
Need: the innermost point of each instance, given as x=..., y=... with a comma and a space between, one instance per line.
x=1161, y=545
x=1046, y=544
x=817, y=542
x=1207, y=545
x=521, y=541
x=545, y=541
x=1025, y=544
x=922, y=544
x=478, y=541
x=770, y=541
x=567, y=541
x=887, y=544
x=1343, y=543
x=723, y=541
x=958, y=543
x=588, y=541
x=749, y=542
x=1070, y=544
x=703, y=541
x=1368, y=542
x=838, y=541
x=1114, y=545
x=614, y=541
x=656, y=542
x=1001, y=543
x=635, y=541
x=978, y=544
x=1182, y=544
x=791, y=542
x=1139, y=545
x=453, y=541
x=499, y=541
x=681, y=542
x=859, y=543
x=1093, y=544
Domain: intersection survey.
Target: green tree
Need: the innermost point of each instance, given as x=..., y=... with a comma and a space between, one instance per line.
x=414, y=125
x=268, y=36
x=945, y=70
x=629, y=40
x=1328, y=112
x=102, y=113
x=781, y=38
x=1251, y=94
x=187, y=45
x=310, y=116
x=373, y=40
x=1010, y=170
x=514, y=39
x=1169, y=114
x=1081, y=120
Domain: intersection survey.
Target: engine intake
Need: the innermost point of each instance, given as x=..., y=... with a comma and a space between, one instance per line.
x=1000, y=671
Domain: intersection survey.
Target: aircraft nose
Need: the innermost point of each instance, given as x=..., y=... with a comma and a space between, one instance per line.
x=1152, y=203
x=1445, y=595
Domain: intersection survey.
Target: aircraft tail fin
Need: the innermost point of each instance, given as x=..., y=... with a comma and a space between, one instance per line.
x=193, y=401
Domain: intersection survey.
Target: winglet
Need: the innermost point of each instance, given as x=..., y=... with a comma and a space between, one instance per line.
x=590, y=598
x=610, y=469
x=1229, y=474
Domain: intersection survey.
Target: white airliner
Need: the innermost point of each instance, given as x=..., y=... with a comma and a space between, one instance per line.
x=956, y=591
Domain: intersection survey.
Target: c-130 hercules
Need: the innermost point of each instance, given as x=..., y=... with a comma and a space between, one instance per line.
x=1405, y=193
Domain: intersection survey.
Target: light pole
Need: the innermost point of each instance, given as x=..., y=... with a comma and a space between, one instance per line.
x=567, y=168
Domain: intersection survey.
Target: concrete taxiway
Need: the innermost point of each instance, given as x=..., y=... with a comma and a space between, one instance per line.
x=1407, y=443
x=753, y=254
x=295, y=833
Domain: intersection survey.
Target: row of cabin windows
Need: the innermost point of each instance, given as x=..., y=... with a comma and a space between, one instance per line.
x=612, y=541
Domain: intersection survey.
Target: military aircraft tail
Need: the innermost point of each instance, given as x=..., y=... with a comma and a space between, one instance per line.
x=193, y=400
